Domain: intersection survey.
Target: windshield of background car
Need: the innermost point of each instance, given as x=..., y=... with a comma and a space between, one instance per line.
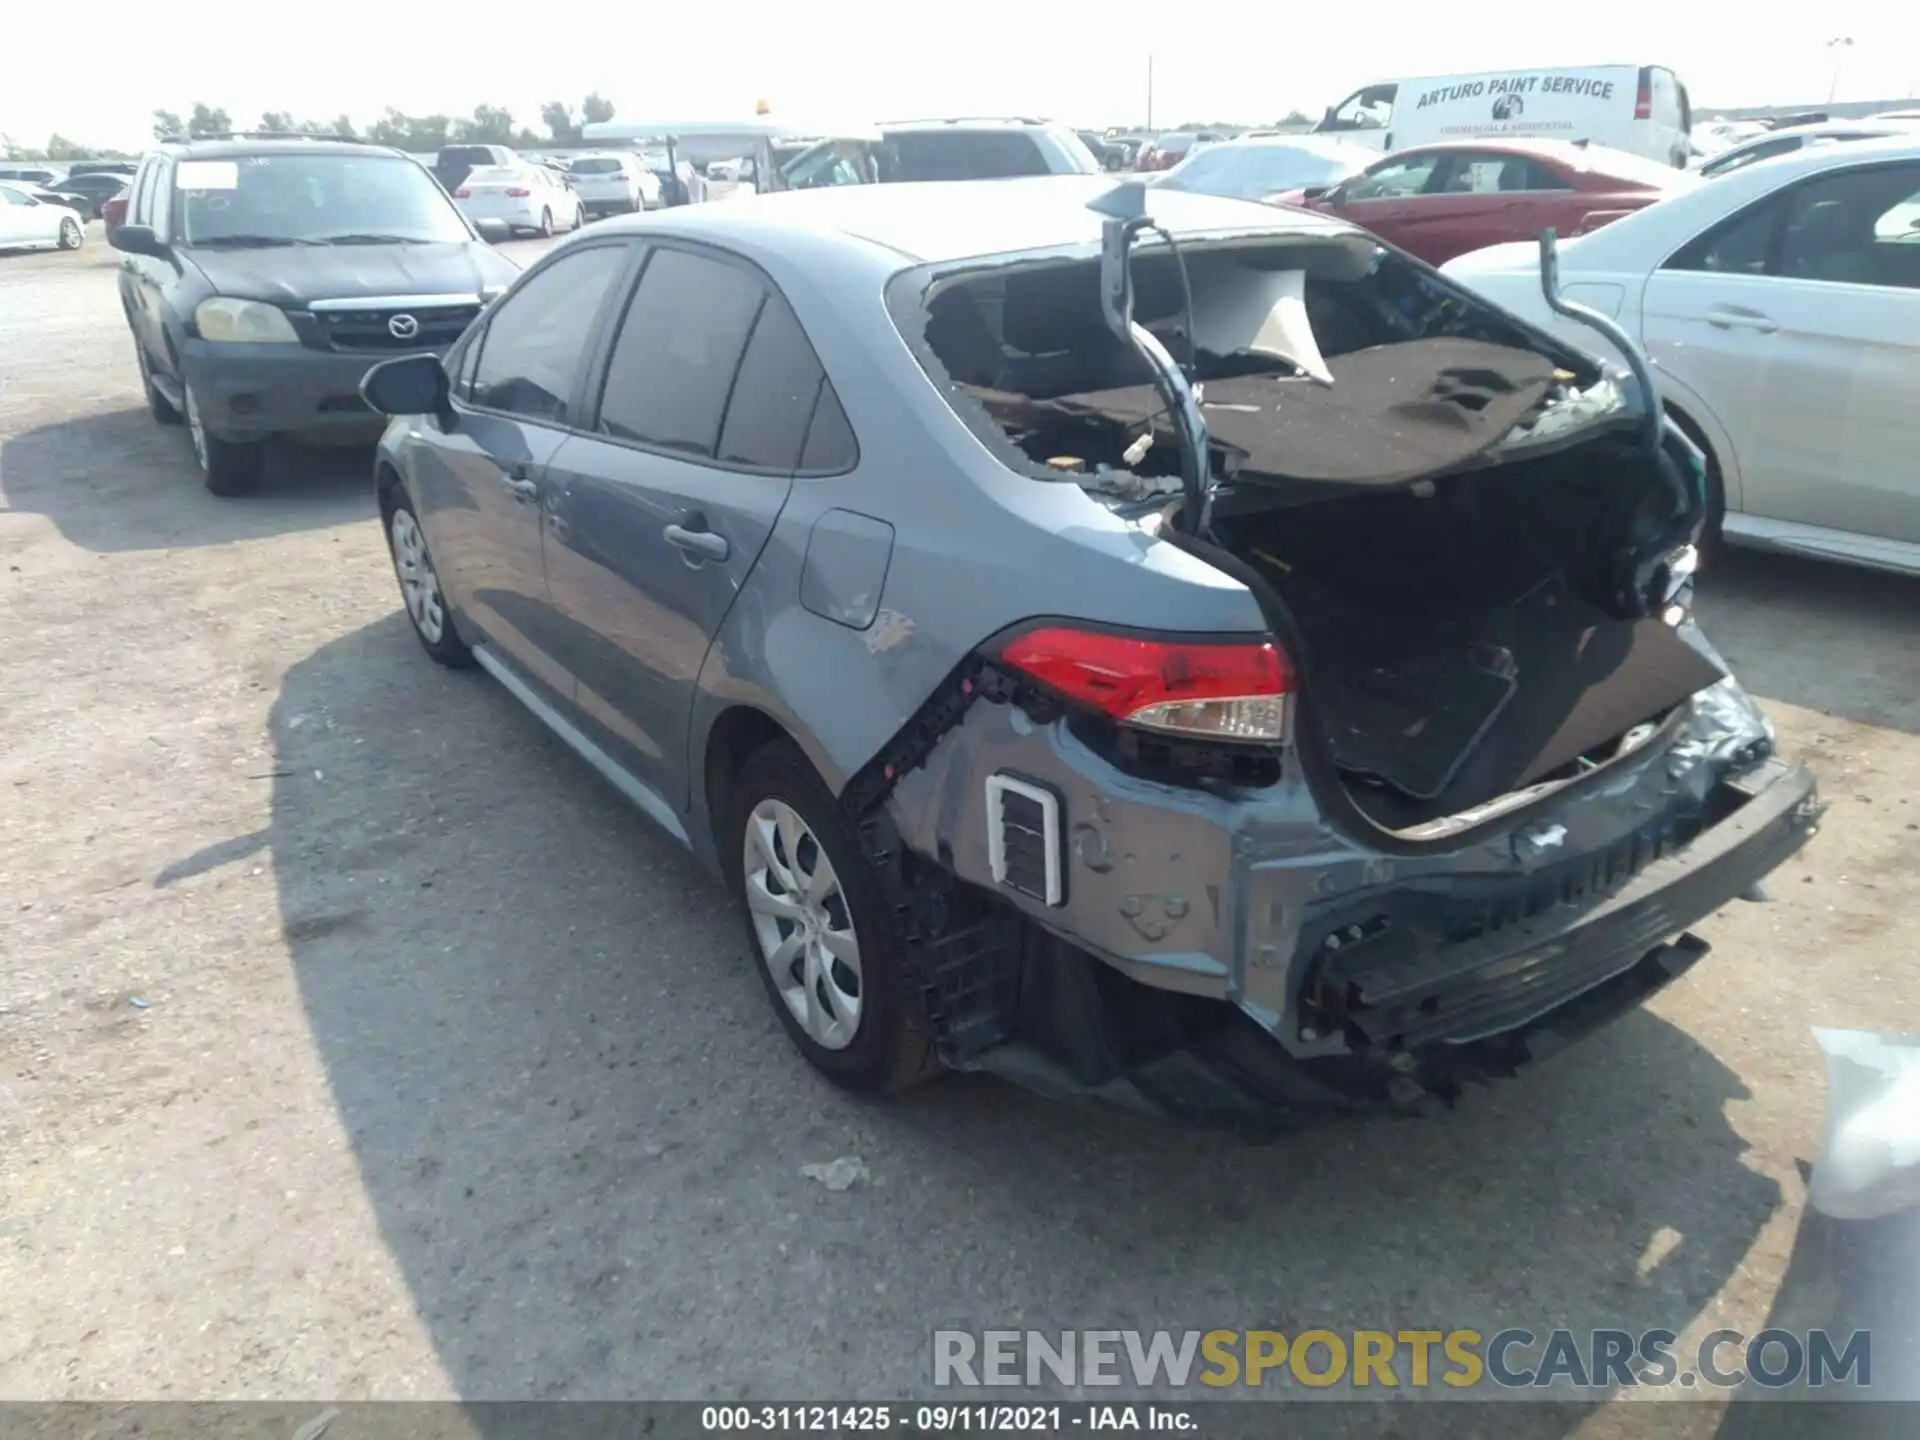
x=960, y=155
x=312, y=198
x=1253, y=172
x=596, y=165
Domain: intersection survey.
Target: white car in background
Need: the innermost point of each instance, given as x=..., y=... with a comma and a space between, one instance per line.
x=1780, y=305
x=1795, y=137
x=28, y=224
x=527, y=197
x=731, y=171
x=612, y=184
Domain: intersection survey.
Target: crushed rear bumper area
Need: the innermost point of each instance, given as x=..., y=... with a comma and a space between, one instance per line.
x=1403, y=1025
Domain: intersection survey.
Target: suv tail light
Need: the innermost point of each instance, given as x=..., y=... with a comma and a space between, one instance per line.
x=1221, y=690
x=462, y=193
x=1643, y=100
x=515, y=192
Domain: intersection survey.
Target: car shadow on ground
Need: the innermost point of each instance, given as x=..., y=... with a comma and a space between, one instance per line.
x=116, y=481
x=1834, y=639
x=582, y=1130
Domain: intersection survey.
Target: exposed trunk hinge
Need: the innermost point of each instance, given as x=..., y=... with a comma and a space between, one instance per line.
x=1124, y=209
x=1659, y=575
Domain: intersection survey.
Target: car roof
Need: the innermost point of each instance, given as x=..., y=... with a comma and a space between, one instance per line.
x=974, y=122
x=240, y=149
x=1320, y=144
x=940, y=222
x=1566, y=151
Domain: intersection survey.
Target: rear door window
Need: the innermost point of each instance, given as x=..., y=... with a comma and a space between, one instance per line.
x=537, y=340
x=773, y=394
x=1737, y=246
x=679, y=348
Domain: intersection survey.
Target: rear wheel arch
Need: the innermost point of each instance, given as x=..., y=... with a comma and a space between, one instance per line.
x=736, y=733
x=1716, y=472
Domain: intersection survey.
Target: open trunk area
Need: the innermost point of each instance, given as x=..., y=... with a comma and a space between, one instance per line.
x=1455, y=511
x=1462, y=640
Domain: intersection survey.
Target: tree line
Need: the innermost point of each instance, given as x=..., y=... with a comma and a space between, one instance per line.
x=487, y=125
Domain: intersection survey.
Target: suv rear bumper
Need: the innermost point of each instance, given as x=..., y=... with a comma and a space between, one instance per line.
x=248, y=392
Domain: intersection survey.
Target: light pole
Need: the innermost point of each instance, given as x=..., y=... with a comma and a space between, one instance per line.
x=1836, y=45
x=1149, y=92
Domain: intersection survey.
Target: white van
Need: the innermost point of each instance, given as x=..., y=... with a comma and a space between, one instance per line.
x=1642, y=109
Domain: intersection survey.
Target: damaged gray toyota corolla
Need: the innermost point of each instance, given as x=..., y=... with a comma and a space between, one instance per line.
x=1145, y=645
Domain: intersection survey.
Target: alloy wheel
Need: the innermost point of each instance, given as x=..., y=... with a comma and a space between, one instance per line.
x=802, y=922
x=419, y=586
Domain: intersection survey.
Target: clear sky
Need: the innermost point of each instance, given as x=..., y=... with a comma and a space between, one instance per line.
x=854, y=59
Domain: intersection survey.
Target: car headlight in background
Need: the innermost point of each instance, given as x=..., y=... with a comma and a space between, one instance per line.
x=243, y=322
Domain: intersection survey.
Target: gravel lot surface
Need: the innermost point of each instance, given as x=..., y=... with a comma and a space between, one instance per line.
x=357, y=1041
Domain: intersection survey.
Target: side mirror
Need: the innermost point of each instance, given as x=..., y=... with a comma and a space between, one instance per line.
x=493, y=231
x=409, y=385
x=138, y=240
x=1318, y=192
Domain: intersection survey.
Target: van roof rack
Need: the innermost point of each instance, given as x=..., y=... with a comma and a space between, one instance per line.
x=260, y=135
x=968, y=120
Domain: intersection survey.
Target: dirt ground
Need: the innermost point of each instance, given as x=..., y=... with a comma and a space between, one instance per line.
x=357, y=1041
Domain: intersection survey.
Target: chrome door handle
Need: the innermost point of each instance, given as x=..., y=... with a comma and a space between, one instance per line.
x=702, y=542
x=1734, y=317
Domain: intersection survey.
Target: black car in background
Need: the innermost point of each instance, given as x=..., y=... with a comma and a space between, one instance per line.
x=261, y=278
x=89, y=190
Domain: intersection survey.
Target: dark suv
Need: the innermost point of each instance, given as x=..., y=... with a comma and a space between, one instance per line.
x=261, y=277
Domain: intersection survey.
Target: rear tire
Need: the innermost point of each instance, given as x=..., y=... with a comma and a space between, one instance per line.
x=812, y=903
x=71, y=234
x=546, y=224
x=229, y=467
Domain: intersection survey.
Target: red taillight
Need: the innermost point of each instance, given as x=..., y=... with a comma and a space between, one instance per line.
x=114, y=212
x=462, y=193
x=1228, y=690
x=518, y=194
x=1643, y=101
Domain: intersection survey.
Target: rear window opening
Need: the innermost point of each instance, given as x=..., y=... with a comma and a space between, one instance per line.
x=1320, y=362
x=1459, y=590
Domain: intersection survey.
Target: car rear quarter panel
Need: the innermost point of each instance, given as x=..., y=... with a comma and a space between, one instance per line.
x=976, y=549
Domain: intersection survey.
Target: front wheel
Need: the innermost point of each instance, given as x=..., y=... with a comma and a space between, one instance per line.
x=229, y=467
x=420, y=590
x=70, y=234
x=829, y=948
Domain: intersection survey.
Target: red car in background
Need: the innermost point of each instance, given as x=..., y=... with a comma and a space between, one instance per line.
x=1439, y=201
